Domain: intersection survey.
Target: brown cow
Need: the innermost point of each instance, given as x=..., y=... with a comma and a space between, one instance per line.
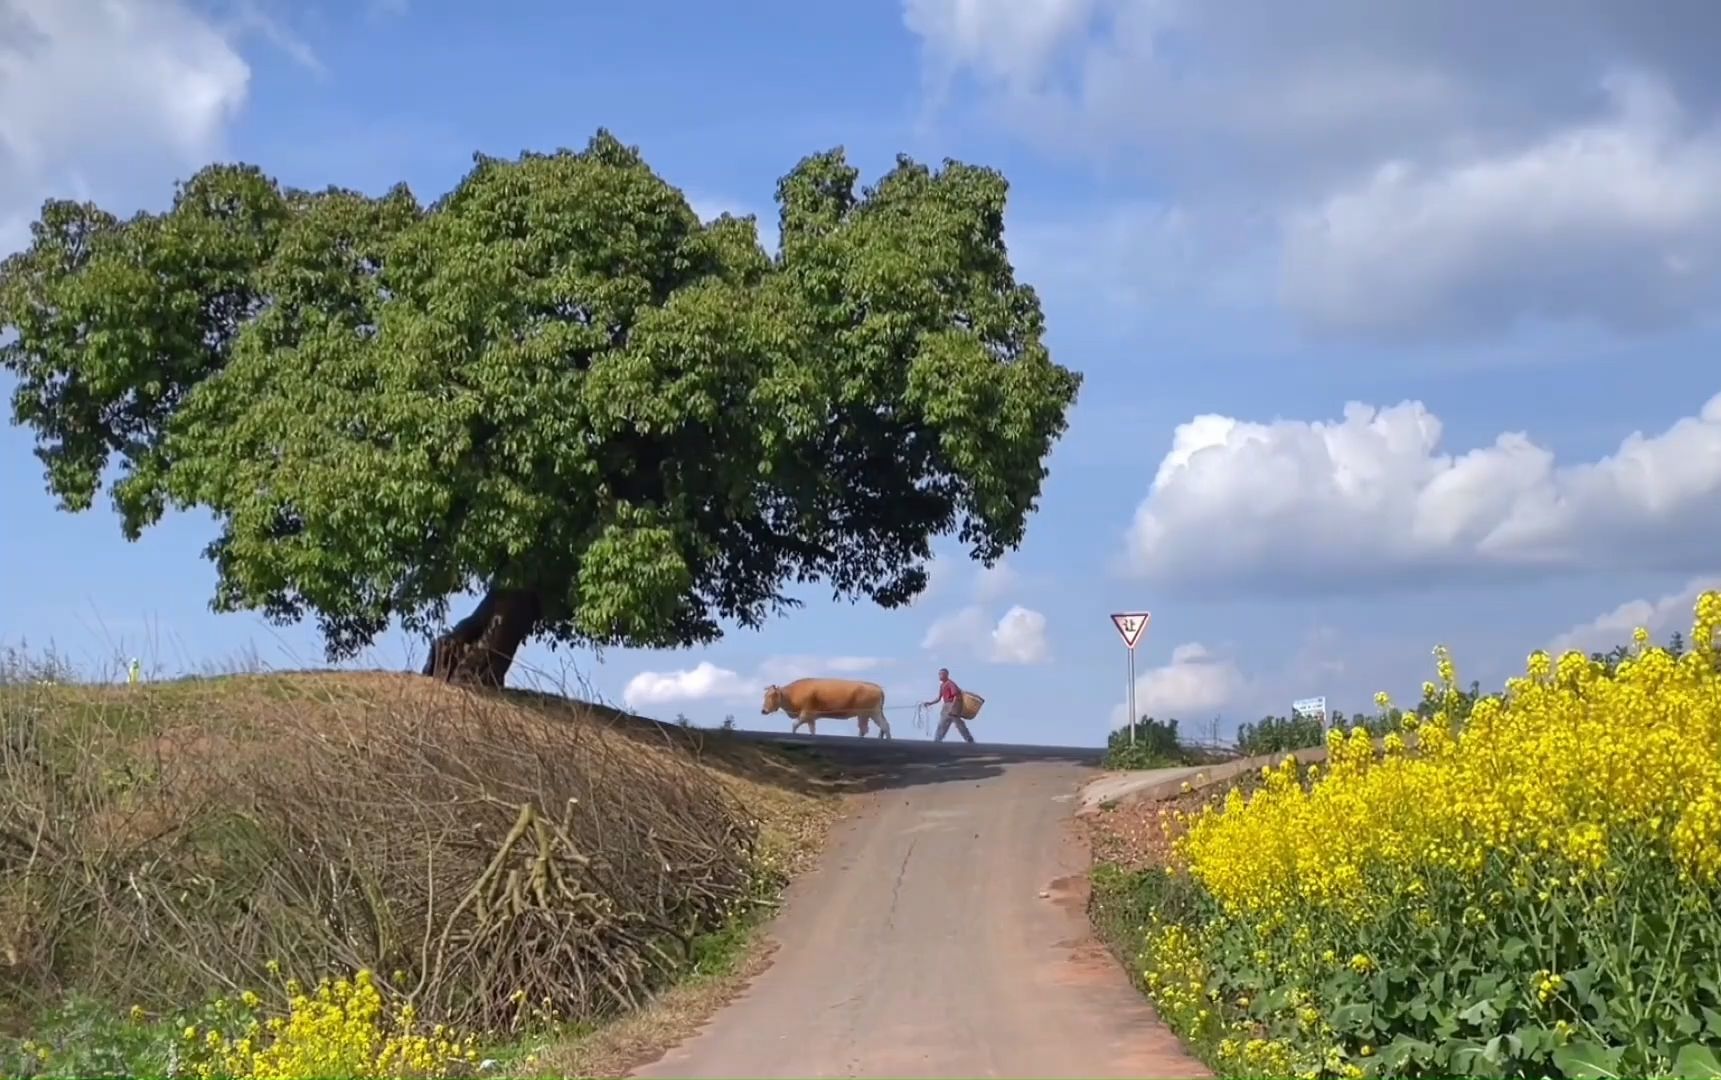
x=810, y=700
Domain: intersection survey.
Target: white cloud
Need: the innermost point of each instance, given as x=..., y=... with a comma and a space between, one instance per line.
x=1662, y=617
x=99, y=96
x=1372, y=500
x=1020, y=638
x=1281, y=94
x=1013, y=42
x=704, y=682
x=1617, y=220
x=1194, y=683
x=707, y=682
x=1411, y=174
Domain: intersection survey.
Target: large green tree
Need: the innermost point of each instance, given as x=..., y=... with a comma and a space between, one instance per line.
x=555, y=388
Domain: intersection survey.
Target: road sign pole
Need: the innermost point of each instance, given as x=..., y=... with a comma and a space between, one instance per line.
x=1130, y=625
x=1131, y=697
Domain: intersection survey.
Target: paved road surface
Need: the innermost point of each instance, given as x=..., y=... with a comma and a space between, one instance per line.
x=943, y=935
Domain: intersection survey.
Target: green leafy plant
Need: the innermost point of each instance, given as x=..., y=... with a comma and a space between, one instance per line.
x=1154, y=745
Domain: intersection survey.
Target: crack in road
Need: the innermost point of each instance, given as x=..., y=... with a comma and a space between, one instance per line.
x=896, y=889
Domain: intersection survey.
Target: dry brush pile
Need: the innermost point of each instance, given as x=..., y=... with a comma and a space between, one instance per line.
x=159, y=845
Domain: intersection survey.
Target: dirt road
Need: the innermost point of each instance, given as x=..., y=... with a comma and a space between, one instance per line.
x=943, y=935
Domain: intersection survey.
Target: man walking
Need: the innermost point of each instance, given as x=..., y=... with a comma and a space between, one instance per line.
x=949, y=700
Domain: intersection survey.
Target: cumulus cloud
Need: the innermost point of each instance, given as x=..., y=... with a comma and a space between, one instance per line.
x=1194, y=682
x=1372, y=500
x=1018, y=637
x=708, y=682
x=704, y=682
x=1662, y=617
x=1617, y=220
x=1412, y=175
x=127, y=94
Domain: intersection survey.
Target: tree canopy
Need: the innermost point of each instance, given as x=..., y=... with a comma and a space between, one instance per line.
x=555, y=387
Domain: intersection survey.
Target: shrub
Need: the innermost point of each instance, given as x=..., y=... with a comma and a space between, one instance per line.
x=1154, y=744
x=1530, y=891
x=1277, y=734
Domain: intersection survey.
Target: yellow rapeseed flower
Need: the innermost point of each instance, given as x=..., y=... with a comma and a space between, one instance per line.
x=1573, y=762
x=340, y=1028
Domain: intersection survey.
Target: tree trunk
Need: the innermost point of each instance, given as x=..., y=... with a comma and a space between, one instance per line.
x=479, y=649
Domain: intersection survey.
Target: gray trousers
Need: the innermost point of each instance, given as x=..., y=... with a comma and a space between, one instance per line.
x=951, y=713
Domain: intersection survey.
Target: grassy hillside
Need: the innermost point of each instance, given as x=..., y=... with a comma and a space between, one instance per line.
x=502, y=862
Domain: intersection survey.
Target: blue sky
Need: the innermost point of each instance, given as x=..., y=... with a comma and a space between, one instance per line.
x=1242, y=217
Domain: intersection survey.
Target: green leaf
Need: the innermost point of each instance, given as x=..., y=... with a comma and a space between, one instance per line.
x=1380, y=986
x=1502, y=1048
x=1463, y=1054
x=1588, y=1061
x=1696, y=1062
x=1353, y=1017
x=1480, y=1014
x=1534, y=1039
x=1711, y=1021
x=1402, y=1050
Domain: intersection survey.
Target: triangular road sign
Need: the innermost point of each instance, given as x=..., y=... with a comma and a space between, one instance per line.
x=1131, y=625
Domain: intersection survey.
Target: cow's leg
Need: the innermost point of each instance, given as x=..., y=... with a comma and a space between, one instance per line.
x=811, y=720
x=883, y=724
x=863, y=723
x=796, y=726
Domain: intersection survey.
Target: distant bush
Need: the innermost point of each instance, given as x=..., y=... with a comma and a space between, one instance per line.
x=1279, y=734
x=1154, y=745
x=1283, y=734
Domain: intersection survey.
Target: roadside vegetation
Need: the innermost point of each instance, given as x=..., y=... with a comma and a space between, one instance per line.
x=1160, y=744
x=1520, y=884
x=1154, y=744
x=364, y=874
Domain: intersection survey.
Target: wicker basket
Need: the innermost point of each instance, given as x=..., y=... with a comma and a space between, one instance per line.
x=971, y=703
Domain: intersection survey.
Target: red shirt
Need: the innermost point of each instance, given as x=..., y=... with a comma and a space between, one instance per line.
x=948, y=691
